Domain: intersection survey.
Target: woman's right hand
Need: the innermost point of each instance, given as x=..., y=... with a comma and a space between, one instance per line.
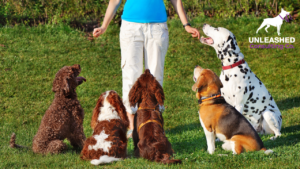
x=98, y=31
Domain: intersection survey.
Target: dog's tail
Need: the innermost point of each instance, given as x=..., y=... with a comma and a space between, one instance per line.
x=166, y=160
x=12, y=142
x=105, y=159
x=267, y=152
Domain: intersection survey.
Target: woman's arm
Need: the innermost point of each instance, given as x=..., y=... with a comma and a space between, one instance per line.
x=181, y=13
x=110, y=13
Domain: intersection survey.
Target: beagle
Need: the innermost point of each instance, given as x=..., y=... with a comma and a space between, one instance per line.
x=220, y=119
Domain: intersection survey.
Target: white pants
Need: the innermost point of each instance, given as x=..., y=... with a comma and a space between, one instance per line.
x=138, y=41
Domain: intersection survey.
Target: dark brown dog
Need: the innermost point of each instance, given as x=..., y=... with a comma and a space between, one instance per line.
x=109, y=122
x=64, y=117
x=148, y=135
x=220, y=119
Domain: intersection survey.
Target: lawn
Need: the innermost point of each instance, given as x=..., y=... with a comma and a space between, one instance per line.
x=30, y=57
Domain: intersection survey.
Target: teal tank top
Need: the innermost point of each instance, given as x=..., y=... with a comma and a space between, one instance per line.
x=144, y=11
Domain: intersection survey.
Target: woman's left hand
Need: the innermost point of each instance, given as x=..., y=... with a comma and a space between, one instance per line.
x=193, y=31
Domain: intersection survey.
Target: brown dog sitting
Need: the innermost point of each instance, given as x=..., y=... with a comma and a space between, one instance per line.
x=64, y=117
x=220, y=119
x=148, y=135
x=109, y=122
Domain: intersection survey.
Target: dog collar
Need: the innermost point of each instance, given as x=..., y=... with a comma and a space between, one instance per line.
x=286, y=18
x=233, y=65
x=149, y=121
x=203, y=99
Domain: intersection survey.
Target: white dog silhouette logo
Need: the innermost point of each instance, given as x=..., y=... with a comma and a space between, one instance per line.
x=277, y=21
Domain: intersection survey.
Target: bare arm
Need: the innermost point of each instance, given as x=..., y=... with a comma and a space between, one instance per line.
x=182, y=15
x=110, y=13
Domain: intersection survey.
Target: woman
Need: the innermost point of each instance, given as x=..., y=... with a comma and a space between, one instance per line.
x=144, y=34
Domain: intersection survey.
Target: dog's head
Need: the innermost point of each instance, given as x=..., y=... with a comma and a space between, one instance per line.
x=222, y=40
x=66, y=79
x=146, y=87
x=283, y=13
x=109, y=107
x=207, y=82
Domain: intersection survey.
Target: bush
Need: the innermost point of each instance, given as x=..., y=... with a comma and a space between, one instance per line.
x=33, y=12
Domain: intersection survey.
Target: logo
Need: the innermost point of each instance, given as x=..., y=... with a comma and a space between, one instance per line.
x=277, y=21
x=272, y=42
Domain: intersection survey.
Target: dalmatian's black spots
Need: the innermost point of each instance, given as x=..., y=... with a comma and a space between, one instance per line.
x=246, y=106
x=250, y=95
x=271, y=98
x=243, y=77
x=257, y=98
x=250, y=71
x=229, y=54
x=260, y=83
x=226, y=78
x=251, y=88
x=248, y=77
x=239, y=87
x=280, y=116
x=250, y=115
x=272, y=110
x=256, y=111
x=233, y=95
x=228, y=60
x=246, y=110
x=243, y=71
x=264, y=97
x=252, y=107
x=221, y=56
x=240, y=66
x=246, y=90
x=272, y=106
x=235, y=60
x=250, y=82
x=262, y=110
x=235, y=75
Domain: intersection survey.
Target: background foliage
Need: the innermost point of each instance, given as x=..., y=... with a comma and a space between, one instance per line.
x=77, y=12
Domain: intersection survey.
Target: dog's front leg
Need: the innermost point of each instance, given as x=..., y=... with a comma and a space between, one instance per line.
x=278, y=29
x=210, y=138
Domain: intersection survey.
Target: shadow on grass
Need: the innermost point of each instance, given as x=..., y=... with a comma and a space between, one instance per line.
x=289, y=103
x=291, y=138
x=185, y=127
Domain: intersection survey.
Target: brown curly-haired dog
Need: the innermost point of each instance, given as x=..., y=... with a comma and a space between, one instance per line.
x=109, y=122
x=64, y=117
x=148, y=135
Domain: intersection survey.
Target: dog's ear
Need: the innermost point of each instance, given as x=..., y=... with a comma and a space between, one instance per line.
x=159, y=93
x=120, y=108
x=96, y=111
x=61, y=83
x=135, y=93
x=200, y=84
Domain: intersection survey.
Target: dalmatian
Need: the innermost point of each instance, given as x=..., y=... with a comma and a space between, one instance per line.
x=241, y=87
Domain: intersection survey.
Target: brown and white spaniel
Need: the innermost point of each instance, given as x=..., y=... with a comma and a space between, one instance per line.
x=146, y=97
x=109, y=122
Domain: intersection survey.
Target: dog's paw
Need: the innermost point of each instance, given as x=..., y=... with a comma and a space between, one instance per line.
x=211, y=150
x=134, y=109
x=161, y=108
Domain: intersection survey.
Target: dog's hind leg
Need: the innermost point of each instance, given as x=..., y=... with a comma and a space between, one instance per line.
x=261, y=26
x=227, y=145
x=272, y=123
x=267, y=28
x=56, y=146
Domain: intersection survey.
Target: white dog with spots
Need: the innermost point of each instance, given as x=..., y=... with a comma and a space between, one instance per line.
x=242, y=88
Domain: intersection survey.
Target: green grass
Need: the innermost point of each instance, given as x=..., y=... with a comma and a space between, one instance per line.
x=30, y=57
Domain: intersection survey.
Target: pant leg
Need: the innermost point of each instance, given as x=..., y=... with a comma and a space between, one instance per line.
x=131, y=42
x=156, y=46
